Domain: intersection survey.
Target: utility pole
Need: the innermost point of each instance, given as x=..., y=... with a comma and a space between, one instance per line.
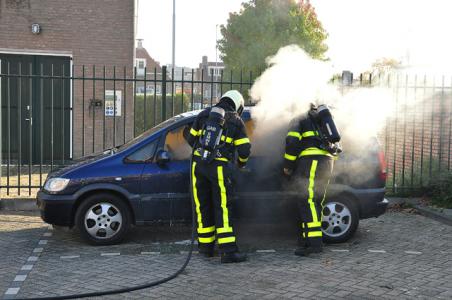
x=174, y=34
x=216, y=58
x=216, y=45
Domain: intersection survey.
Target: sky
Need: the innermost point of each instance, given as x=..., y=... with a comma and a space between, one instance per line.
x=196, y=28
x=415, y=32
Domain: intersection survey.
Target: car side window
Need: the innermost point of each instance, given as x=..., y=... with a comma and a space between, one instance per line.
x=176, y=143
x=145, y=153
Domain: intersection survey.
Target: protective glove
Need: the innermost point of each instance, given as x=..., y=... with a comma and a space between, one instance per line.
x=287, y=172
x=241, y=165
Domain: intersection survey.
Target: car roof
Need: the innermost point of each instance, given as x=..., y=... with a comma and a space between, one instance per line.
x=246, y=115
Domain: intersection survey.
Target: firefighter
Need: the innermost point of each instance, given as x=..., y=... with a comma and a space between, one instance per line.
x=308, y=162
x=212, y=173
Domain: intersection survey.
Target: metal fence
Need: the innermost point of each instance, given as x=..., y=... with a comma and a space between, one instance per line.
x=417, y=136
x=52, y=115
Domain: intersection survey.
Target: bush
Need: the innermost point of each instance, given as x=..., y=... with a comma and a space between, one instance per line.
x=153, y=113
x=440, y=190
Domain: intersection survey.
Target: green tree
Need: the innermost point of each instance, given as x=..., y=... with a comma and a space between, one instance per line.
x=263, y=26
x=385, y=64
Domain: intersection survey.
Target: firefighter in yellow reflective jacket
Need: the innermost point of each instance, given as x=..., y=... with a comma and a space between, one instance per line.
x=309, y=163
x=212, y=175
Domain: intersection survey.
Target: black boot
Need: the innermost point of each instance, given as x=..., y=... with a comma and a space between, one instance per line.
x=207, y=251
x=306, y=251
x=233, y=257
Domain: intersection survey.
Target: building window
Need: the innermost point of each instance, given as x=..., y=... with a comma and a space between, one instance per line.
x=141, y=63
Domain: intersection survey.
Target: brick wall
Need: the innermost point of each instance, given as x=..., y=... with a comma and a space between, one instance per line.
x=100, y=33
x=417, y=139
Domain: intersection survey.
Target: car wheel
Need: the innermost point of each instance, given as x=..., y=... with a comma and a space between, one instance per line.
x=103, y=219
x=340, y=220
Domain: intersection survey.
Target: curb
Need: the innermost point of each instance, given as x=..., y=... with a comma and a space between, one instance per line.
x=426, y=211
x=23, y=204
x=394, y=201
x=433, y=214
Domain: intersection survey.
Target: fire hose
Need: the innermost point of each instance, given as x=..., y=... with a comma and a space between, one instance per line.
x=141, y=286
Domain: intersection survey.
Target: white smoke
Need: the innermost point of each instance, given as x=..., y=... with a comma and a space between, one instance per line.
x=292, y=81
x=362, y=113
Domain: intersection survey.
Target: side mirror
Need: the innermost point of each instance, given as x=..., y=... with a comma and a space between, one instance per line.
x=162, y=158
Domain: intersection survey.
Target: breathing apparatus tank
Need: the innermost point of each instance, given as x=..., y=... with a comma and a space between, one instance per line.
x=327, y=125
x=211, y=134
x=327, y=128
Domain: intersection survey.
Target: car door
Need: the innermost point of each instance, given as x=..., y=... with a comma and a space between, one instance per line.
x=165, y=186
x=260, y=186
x=264, y=168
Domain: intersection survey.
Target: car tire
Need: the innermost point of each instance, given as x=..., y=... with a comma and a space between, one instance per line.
x=340, y=219
x=103, y=219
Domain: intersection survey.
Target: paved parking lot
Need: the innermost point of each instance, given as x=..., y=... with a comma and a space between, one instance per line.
x=399, y=255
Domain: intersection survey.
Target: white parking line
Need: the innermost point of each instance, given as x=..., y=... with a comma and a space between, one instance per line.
x=266, y=251
x=186, y=252
x=20, y=278
x=26, y=267
x=69, y=256
x=340, y=250
x=12, y=291
x=110, y=254
x=413, y=252
x=184, y=242
x=149, y=253
x=376, y=251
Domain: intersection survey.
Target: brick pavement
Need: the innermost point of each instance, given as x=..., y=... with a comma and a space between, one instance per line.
x=18, y=235
x=397, y=256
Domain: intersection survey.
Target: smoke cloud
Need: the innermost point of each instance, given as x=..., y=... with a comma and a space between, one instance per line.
x=292, y=81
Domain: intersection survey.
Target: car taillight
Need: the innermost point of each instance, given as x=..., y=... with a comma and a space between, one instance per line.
x=382, y=161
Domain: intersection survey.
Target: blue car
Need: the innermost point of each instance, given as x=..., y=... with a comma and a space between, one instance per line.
x=147, y=181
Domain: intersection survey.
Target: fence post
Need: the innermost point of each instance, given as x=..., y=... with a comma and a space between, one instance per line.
x=163, y=93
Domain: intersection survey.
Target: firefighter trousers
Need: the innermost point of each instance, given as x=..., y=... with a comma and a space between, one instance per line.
x=312, y=176
x=212, y=190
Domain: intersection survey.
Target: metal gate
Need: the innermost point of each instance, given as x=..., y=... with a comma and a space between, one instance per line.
x=35, y=112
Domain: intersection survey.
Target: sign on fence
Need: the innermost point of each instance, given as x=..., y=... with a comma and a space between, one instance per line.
x=110, y=104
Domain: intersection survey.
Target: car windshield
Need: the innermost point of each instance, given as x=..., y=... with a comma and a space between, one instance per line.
x=149, y=132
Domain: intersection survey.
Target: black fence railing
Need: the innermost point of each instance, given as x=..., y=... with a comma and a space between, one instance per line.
x=417, y=136
x=52, y=115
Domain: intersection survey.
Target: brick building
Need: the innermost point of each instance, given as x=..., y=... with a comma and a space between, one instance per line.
x=70, y=38
x=210, y=71
x=145, y=63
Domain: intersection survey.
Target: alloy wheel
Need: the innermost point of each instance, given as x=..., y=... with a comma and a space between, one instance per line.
x=336, y=219
x=103, y=220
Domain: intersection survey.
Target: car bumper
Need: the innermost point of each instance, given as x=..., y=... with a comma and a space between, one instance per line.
x=56, y=209
x=372, y=202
